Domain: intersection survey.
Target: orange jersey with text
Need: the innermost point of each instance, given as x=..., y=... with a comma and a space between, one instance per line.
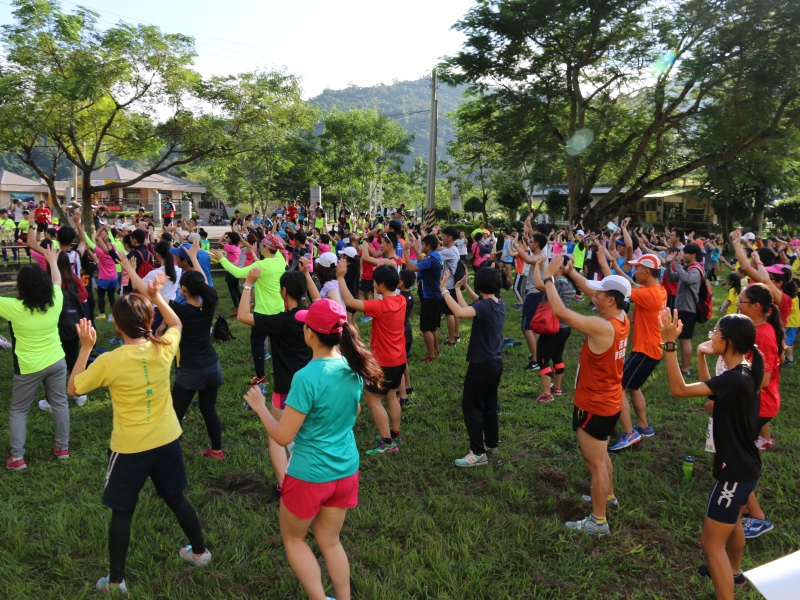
x=598, y=382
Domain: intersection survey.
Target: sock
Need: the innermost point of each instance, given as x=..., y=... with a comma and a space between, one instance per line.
x=598, y=520
x=394, y=433
x=387, y=441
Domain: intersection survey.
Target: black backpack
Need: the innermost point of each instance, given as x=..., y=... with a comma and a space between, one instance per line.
x=71, y=315
x=461, y=270
x=221, y=330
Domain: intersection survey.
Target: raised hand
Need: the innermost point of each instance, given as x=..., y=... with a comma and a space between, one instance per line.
x=303, y=265
x=443, y=283
x=341, y=267
x=154, y=286
x=670, y=325
x=216, y=255
x=255, y=398
x=253, y=274
x=86, y=333
x=192, y=250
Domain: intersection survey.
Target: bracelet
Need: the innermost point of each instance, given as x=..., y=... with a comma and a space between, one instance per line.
x=669, y=346
x=247, y=287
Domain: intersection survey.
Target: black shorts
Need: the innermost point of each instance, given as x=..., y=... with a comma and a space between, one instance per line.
x=166, y=220
x=763, y=421
x=409, y=338
x=446, y=309
x=529, y=307
x=392, y=376
x=689, y=319
x=366, y=285
x=127, y=473
x=430, y=314
x=41, y=227
x=600, y=428
x=637, y=369
x=727, y=499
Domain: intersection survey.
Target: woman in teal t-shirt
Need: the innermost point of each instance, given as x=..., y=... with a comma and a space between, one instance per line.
x=321, y=481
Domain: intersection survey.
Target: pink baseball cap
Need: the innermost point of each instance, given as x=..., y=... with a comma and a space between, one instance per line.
x=323, y=316
x=651, y=261
x=794, y=242
x=777, y=269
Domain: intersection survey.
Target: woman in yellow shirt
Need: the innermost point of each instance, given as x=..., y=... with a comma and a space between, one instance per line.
x=145, y=439
x=792, y=326
x=734, y=283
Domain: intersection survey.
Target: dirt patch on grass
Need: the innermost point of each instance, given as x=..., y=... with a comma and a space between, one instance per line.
x=242, y=482
x=569, y=509
x=555, y=477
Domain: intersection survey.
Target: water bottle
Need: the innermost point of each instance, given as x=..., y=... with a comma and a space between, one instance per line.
x=688, y=467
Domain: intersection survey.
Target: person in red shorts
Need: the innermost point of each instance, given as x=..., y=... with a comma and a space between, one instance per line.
x=388, y=327
x=321, y=481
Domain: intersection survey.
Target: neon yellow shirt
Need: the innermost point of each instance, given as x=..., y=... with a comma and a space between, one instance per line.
x=137, y=377
x=38, y=344
x=732, y=299
x=268, y=284
x=794, y=316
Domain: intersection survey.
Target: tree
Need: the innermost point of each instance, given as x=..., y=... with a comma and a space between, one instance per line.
x=557, y=203
x=630, y=90
x=788, y=214
x=510, y=194
x=473, y=205
x=102, y=95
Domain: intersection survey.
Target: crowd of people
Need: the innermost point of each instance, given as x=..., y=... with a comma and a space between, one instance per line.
x=299, y=282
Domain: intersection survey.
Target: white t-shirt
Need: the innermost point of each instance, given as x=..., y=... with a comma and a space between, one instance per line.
x=450, y=258
x=461, y=245
x=170, y=289
x=18, y=210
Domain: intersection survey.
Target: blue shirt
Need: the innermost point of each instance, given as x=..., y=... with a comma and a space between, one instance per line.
x=257, y=221
x=327, y=391
x=431, y=275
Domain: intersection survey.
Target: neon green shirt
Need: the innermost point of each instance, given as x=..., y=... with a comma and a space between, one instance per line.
x=205, y=245
x=38, y=344
x=268, y=284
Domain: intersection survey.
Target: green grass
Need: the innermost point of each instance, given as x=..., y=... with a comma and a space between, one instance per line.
x=423, y=528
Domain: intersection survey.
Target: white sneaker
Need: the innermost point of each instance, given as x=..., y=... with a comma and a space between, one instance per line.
x=45, y=405
x=472, y=460
x=198, y=561
x=80, y=400
x=4, y=343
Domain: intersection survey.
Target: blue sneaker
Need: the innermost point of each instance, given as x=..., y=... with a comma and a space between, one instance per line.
x=104, y=585
x=756, y=527
x=645, y=431
x=626, y=440
x=115, y=341
x=365, y=319
x=590, y=526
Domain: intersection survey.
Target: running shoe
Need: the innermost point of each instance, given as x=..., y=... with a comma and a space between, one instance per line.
x=589, y=525
x=738, y=580
x=518, y=306
x=45, y=405
x=198, y=561
x=4, y=343
x=267, y=356
x=115, y=342
x=110, y=318
x=594, y=309
x=491, y=450
x=409, y=391
x=612, y=502
x=555, y=391
x=544, y=398
x=234, y=314
x=61, y=454
x=577, y=298
x=532, y=366
x=645, y=431
x=754, y=528
x=763, y=444
x=215, y=454
x=80, y=400
x=449, y=344
x=686, y=373
x=104, y=585
x=470, y=460
x=626, y=440
x=396, y=439
x=458, y=339
x=15, y=465
x=256, y=380
x=365, y=319
x=427, y=360
x=383, y=448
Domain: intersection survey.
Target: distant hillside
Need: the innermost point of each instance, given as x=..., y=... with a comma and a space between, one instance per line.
x=397, y=100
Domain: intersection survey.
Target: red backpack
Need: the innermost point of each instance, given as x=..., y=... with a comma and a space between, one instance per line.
x=705, y=297
x=144, y=266
x=544, y=322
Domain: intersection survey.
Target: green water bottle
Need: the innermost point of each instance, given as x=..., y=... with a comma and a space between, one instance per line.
x=688, y=467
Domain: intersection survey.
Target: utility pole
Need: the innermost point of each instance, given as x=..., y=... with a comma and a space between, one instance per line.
x=430, y=197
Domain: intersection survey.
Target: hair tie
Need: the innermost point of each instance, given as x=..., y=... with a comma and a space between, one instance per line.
x=755, y=346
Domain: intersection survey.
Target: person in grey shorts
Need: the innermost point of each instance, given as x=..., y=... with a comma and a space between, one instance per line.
x=38, y=356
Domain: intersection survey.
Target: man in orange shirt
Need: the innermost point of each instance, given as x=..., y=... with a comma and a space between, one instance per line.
x=649, y=299
x=598, y=383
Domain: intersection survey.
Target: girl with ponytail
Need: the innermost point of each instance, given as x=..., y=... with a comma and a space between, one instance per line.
x=145, y=439
x=321, y=482
x=733, y=400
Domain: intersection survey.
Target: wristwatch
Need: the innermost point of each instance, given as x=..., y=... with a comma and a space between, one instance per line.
x=669, y=346
x=247, y=287
x=551, y=278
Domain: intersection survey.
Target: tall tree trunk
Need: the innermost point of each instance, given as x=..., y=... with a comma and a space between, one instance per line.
x=87, y=214
x=758, y=222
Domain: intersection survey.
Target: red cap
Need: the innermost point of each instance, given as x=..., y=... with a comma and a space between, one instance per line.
x=324, y=316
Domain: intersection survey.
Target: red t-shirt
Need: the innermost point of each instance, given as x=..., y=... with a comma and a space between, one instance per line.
x=292, y=210
x=42, y=215
x=770, y=395
x=785, y=308
x=387, y=339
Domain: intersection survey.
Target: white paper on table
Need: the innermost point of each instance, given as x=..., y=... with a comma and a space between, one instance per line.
x=779, y=579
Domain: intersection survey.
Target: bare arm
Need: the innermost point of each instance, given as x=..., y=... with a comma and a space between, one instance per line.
x=244, y=315
x=51, y=256
x=283, y=431
x=313, y=292
x=459, y=310
x=347, y=297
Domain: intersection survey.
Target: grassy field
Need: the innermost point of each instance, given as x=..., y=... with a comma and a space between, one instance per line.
x=423, y=528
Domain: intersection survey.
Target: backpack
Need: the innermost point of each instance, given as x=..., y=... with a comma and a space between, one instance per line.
x=221, y=330
x=461, y=270
x=71, y=315
x=705, y=297
x=544, y=322
x=144, y=266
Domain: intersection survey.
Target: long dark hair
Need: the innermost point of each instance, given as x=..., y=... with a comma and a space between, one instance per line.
x=294, y=282
x=35, y=288
x=133, y=316
x=196, y=285
x=735, y=281
x=162, y=249
x=759, y=293
x=358, y=357
x=740, y=332
x=325, y=274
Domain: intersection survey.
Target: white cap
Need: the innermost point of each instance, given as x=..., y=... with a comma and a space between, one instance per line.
x=749, y=236
x=651, y=261
x=349, y=251
x=326, y=259
x=612, y=283
x=579, y=232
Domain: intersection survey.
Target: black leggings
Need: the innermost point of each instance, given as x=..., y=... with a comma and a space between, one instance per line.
x=233, y=289
x=551, y=348
x=101, y=304
x=257, y=340
x=207, y=400
x=119, y=533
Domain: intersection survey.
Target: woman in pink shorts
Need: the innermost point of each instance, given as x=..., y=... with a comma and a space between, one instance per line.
x=321, y=481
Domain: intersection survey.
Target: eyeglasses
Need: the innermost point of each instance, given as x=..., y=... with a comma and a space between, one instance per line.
x=740, y=302
x=712, y=333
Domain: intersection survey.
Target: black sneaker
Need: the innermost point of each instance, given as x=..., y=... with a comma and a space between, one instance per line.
x=738, y=580
x=532, y=366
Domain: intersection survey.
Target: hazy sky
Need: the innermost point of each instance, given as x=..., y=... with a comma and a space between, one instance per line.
x=329, y=43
